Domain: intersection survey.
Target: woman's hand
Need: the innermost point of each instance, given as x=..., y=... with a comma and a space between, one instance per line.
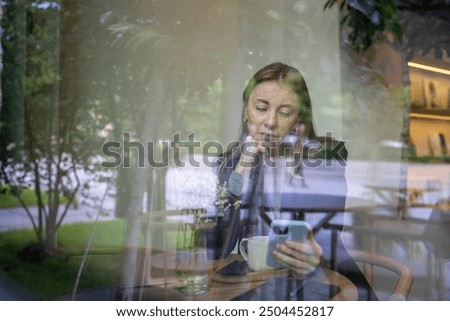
x=300, y=257
x=249, y=155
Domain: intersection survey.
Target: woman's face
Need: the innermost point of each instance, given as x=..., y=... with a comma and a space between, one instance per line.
x=272, y=112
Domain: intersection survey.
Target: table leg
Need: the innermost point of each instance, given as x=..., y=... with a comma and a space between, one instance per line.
x=299, y=215
x=334, y=249
x=442, y=279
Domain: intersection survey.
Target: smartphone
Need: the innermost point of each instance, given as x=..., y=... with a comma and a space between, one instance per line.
x=285, y=230
x=235, y=268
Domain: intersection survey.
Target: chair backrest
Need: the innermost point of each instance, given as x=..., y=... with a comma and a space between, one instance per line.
x=405, y=276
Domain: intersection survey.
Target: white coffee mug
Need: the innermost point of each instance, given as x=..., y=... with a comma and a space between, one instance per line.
x=256, y=254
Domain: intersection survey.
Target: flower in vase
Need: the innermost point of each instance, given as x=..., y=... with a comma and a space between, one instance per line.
x=224, y=199
x=190, y=229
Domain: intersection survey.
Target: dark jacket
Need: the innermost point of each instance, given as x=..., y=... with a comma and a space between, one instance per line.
x=321, y=183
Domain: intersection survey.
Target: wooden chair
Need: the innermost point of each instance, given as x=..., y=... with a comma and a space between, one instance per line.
x=370, y=260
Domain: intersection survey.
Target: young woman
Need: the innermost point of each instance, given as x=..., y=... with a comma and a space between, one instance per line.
x=280, y=160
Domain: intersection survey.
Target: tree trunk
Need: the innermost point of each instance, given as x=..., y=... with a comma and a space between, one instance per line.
x=132, y=235
x=53, y=125
x=51, y=240
x=138, y=183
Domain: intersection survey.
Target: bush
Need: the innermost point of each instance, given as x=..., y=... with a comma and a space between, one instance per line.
x=8, y=197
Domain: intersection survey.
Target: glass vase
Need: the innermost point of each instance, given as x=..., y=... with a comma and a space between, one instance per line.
x=191, y=274
x=191, y=261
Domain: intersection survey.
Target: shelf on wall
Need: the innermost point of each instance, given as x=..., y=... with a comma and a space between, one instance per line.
x=431, y=114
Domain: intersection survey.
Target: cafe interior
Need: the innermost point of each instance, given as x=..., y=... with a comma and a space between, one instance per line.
x=164, y=83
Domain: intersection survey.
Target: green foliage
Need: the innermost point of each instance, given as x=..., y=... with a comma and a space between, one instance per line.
x=13, y=43
x=430, y=159
x=367, y=20
x=199, y=112
x=62, y=117
x=55, y=276
x=426, y=30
